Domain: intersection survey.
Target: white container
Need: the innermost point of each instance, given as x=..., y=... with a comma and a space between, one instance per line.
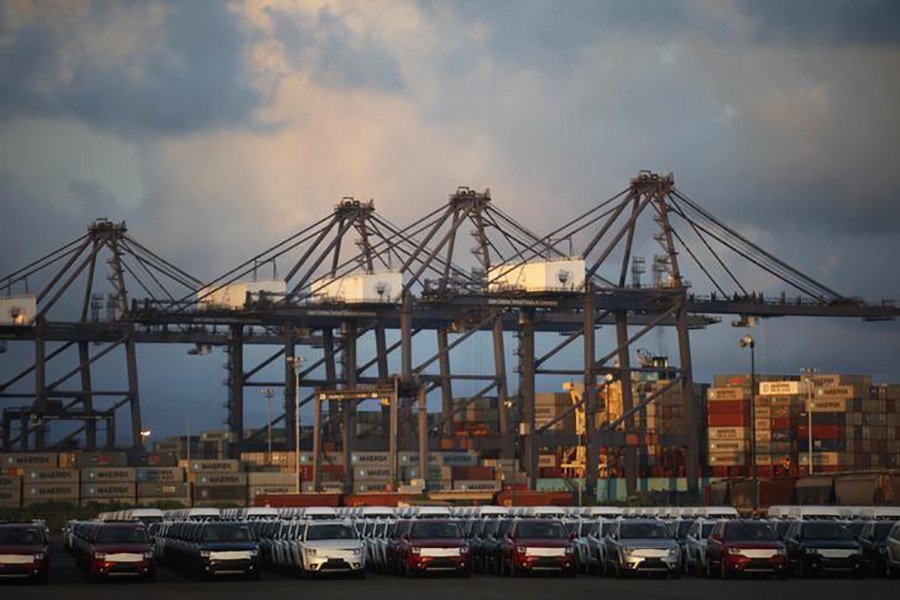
x=18, y=310
x=362, y=288
x=543, y=276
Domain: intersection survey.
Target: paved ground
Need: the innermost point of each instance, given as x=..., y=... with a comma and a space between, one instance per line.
x=67, y=582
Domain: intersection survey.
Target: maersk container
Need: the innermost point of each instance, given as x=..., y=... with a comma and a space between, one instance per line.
x=361, y=288
x=540, y=276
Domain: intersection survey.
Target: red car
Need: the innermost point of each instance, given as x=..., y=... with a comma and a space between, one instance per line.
x=432, y=545
x=114, y=550
x=24, y=551
x=538, y=545
x=744, y=546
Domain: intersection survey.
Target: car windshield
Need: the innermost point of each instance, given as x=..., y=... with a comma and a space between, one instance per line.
x=644, y=531
x=442, y=531
x=707, y=529
x=608, y=527
x=855, y=528
x=226, y=533
x=122, y=535
x=749, y=532
x=548, y=530
x=683, y=527
x=332, y=531
x=825, y=530
x=880, y=531
x=572, y=527
x=20, y=536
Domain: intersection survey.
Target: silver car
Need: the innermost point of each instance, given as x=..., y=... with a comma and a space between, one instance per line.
x=893, y=550
x=694, y=553
x=642, y=546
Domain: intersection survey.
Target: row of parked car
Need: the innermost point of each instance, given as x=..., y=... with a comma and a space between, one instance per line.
x=493, y=540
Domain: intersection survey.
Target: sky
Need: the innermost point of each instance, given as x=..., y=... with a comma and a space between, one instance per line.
x=215, y=129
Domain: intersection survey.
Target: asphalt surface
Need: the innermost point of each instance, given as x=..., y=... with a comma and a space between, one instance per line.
x=67, y=582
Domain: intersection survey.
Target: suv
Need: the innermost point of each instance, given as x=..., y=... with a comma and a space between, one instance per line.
x=695, y=546
x=744, y=546
x=330, y=547
x=642, y=545
x=24, y=551
x=113, y=549
x=432, y=545
x=873, y=541
x=816, y=547
x=538, y=545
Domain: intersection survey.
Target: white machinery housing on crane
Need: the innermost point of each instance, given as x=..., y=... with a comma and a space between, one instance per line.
x=565, y=275
x=360, y=288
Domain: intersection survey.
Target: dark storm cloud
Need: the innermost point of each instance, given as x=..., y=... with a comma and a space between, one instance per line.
x=542, y=33
x=855, y=22
x=192, y=79
x=335, y=55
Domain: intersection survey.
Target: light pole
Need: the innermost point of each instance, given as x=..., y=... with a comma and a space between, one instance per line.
x=268, y=393
x=145, y=435
x=747, y=341
x=809, y=384
x=297, y=363
x=607, y=382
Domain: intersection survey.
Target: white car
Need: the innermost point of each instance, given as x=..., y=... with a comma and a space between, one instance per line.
x=331, y=547
x=893, y=550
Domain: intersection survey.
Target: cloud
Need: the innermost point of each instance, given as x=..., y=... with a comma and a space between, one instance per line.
x=825, y=22
x=134, y=69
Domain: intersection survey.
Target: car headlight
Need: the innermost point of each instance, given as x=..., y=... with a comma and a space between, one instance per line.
x=522, y=549
x=463, y=549
x=39, y=556
x=99, y=555
x=311, y=551
x=570, y=549
x=415, y=550
x=780, y=552
x=254, y=551
x=734, y=551
x=811, y=550
x=204, y=554
x=148, y=555
x=673, y=552
x=627, y=550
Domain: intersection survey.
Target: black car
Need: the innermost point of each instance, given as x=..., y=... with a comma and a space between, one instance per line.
x=817, y=547
x=212, y=548
x=873, y=540
x=24, y=551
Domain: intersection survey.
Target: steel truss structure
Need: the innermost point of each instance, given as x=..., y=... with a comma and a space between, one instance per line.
x=426, y=337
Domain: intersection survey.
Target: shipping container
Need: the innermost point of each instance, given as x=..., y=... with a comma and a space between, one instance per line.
x=371, y=473
x=50, y=490
x=372, y=486
x=219, y=478
x=10, y=497
x=489, y=485
x=162, y=489
x=108, y=490
x=729, y=459
x=728, y=420
x=472, y=472
x=28, y=460
x=262, y=490
x=159, y=474
x=723, y=446
x=111, y=474
x=718, y=394
x=234, y=296
x=728, y=433
x=215, y=465
x=84, y=460
x=234, y=493
x=10, y=481
x=51, y=475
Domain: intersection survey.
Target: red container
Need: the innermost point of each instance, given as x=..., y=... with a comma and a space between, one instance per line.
x=377, y=499
x=472, y=472
x=728, y=407
x=781, y=423
x=285, y=500
x=728, y=420
x=530, y=498
x=820, y=432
